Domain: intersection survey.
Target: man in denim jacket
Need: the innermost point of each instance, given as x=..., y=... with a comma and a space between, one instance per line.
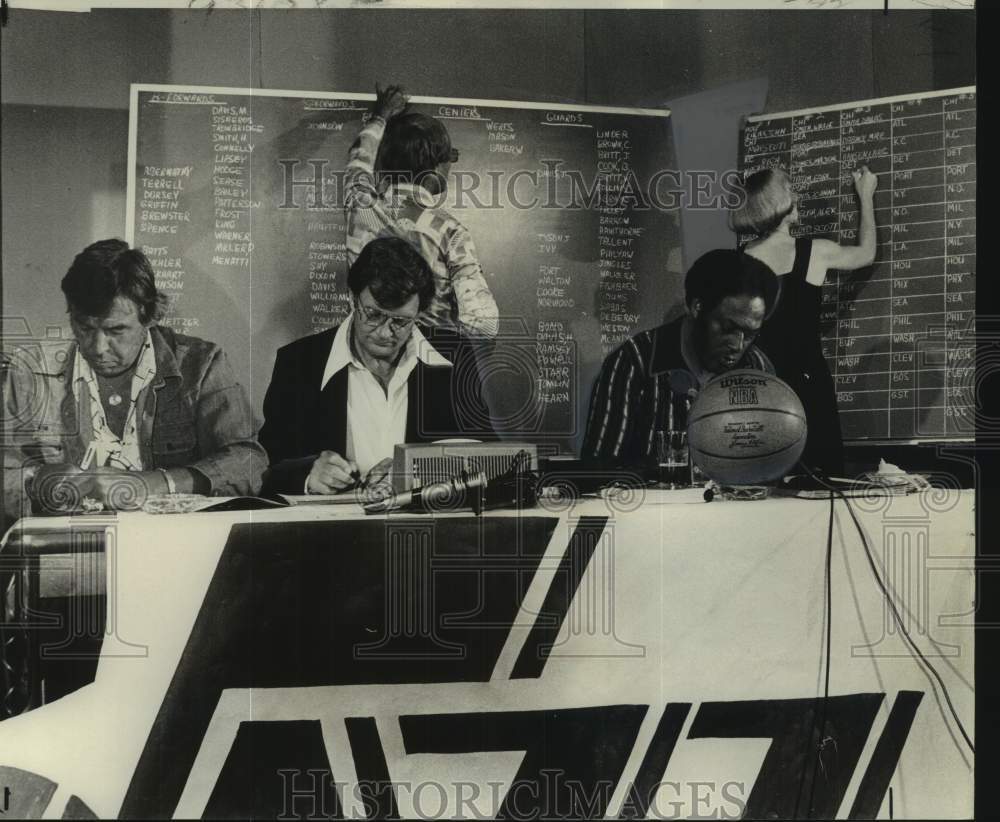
x=128, y=409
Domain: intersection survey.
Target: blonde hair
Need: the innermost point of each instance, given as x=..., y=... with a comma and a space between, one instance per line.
x=769, y=199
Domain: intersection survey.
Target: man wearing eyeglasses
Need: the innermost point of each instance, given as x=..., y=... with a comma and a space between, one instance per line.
x=395, y=184
x=340, y=401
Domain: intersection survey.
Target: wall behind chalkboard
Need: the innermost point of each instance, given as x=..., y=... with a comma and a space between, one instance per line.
x=900, y=336
x=237, y=199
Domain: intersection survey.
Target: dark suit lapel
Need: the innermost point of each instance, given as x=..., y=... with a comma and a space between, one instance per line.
x=414, y=403
x=332, y=420
x=429, y=404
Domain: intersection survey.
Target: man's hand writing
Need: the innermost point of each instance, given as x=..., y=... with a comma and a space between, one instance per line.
x=331, y=473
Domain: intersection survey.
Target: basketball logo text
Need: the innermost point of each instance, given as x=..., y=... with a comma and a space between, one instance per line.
x=741, y=379
x=743, y=395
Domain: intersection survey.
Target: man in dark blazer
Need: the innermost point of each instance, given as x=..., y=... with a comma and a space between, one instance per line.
x=339, y=401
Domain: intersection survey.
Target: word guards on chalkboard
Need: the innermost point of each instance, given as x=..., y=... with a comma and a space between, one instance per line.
x=899, y=336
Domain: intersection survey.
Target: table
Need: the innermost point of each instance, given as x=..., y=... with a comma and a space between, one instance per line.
x=623, y=656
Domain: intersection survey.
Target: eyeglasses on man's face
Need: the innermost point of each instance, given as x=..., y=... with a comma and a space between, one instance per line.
x=374, y=318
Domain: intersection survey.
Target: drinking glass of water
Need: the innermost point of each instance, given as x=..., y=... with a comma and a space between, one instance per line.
x=672, y=458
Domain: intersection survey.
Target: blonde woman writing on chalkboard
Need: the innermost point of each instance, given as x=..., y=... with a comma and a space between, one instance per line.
x=791, y=334
x=412, y=155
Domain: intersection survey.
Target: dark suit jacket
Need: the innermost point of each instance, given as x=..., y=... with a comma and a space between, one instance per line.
x=300, y=420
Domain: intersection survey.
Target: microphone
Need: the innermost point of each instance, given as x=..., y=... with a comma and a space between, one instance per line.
x=516, y=487
x=436, y=496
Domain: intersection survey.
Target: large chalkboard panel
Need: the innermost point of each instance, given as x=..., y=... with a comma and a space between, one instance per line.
x=237, y=198
x=899, y=337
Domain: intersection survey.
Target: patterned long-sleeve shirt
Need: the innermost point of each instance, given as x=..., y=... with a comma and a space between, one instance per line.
x=462, y=297
x=639, y=383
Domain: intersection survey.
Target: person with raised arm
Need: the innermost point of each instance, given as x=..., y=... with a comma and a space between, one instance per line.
x=791, y=333
x=396, y=179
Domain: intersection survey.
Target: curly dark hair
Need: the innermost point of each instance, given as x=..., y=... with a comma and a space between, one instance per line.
x=108, y=269
x=412, y=148
x=726, y=272
x=393, y=270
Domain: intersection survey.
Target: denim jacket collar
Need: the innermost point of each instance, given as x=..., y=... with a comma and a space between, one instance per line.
x=167, y=374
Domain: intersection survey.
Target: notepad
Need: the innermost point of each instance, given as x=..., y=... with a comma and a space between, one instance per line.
x=321, y=499
x=199, y=503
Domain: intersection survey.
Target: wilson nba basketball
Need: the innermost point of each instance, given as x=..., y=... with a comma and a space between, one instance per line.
x=746, y=428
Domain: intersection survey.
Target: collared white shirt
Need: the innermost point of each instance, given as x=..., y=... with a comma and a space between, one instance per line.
x=376, y=419
x=118, y=452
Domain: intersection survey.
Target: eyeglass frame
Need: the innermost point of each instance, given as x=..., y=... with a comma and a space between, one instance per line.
x=365, y=315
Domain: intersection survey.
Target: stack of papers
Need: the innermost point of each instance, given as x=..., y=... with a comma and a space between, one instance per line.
x=895, y=480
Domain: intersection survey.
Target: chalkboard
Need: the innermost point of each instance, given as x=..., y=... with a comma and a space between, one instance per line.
x=237, y=199
x=900, y=336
